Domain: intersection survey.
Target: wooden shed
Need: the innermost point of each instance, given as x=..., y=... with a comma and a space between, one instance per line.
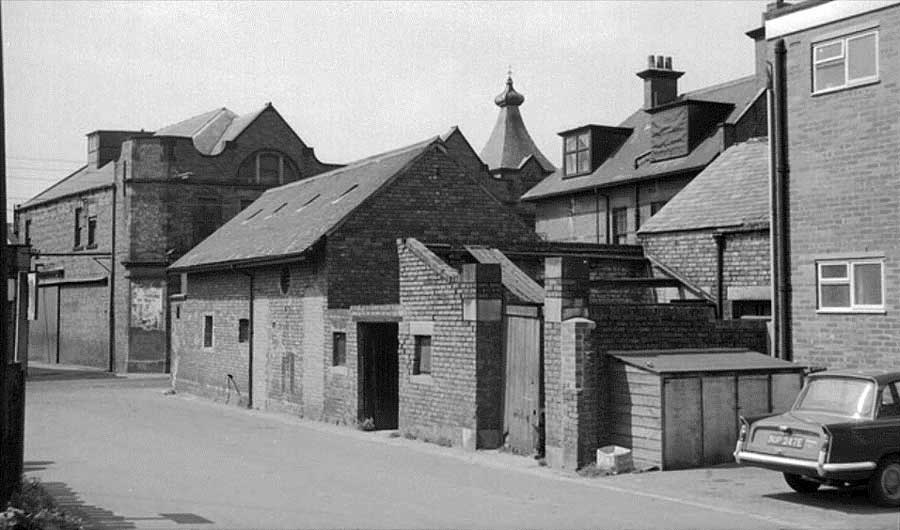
x=679, y=408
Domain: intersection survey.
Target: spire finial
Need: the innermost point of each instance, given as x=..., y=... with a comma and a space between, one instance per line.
x=509, y=96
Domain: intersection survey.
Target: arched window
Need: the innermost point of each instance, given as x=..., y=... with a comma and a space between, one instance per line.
x=270, y=168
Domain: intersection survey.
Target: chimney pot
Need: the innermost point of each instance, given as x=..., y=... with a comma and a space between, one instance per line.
x=651, y=61
x=660, y=61
x=668, y=63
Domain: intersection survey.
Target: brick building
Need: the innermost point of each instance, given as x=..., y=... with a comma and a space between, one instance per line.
x=160, y=194
x=514, y=162
x=715, y=233
x=295, y=303
x=843, y=102
x=613, y=179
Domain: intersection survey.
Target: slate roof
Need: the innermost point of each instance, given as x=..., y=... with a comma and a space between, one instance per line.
x=510, y=145
x=619, y=167
x=702, y=360
x=288, y=220
x=82, y=180
x=732, y=191
x=512, y=277
x=211, y=130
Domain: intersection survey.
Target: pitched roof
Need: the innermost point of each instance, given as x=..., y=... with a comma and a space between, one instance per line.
x=288, y=220
x=512, y=277
x=732, y=191
x=212, y=129
x=620, y=166
x=510, y=145
x=82, y=180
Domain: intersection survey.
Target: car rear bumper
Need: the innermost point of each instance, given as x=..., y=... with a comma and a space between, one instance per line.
x=819, y=467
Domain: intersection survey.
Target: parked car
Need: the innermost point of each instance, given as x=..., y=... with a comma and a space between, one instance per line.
x=843, y=430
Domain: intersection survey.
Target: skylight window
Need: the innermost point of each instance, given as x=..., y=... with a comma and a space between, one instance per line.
x=351, y=188
x=307, y=203
x=276, y=210
x=252, y=215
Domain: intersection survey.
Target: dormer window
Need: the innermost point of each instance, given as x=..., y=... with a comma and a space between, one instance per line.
x=577, y=154
x=269, y=168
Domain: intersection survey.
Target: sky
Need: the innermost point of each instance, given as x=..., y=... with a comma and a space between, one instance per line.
x=352, y=79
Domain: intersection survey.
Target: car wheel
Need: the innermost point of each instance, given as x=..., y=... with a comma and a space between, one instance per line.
x=884, y=486
x=801, y=484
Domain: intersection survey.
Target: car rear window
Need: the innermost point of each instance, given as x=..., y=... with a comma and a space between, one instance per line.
x=838, y=395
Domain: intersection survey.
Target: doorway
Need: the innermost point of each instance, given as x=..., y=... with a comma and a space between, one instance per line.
x=379, y=379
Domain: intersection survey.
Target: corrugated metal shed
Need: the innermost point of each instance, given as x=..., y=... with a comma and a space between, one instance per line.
x=701, y=360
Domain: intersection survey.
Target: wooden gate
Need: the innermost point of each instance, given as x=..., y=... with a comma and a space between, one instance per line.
x=523, y=399
x=43, y=333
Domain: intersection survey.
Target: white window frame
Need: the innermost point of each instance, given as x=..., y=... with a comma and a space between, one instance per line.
x=843, y=41
x=848, y=280
x=570, y=171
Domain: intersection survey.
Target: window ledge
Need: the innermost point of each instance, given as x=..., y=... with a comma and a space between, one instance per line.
x=846, y=87
x=421, y=379
x=178, y=297
x=848, y=311
x=338, y=370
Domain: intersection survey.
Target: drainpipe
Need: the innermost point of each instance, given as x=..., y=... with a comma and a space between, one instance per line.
x=112, y=278
x=597, y=211
x=720, y=275
x=608, y=222
x=774, y=272
x=249, y=275
x=780, y=229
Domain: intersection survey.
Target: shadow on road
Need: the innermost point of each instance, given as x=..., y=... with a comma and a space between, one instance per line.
x=36, y=465
x=849, y=501
x=42, y=373
x=95, y=517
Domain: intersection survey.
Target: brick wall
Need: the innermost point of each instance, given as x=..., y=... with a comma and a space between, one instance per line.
x=282, y=329
x=746, y=261
x=434, y=201
x=459, y=402
x=845, y=195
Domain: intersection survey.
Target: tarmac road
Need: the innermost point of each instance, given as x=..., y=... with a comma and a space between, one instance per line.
x=123, y=455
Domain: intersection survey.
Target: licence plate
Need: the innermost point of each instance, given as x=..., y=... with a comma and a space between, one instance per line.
x=786, y=441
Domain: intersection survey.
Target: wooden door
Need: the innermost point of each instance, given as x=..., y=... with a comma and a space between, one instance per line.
x=719, y=420
x=682, y=424
x=43, y=333
x=522, y=399
x=379, y=372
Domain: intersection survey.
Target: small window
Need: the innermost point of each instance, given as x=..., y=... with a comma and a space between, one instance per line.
x=577, y=154
x=346, y=192
x=338, y=348
x=284, y=282
x=269, y=168
x=890, y=402
x=422, y=359
x=79, y=224
x=243, y=330
x=845, y=62
x=92, y=231
x=620, y=225
x=207, y=331
x=851, y=286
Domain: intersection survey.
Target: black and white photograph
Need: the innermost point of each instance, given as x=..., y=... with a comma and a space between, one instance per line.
x=615, y=264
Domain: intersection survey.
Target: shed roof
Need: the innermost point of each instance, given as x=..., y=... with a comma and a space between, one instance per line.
x=732, y=191
x=702, y=360
x=512, y=277
x=620, y=166
x=83, y=179
x=287, y=220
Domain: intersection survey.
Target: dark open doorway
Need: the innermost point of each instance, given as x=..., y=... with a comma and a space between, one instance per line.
x=378, y=373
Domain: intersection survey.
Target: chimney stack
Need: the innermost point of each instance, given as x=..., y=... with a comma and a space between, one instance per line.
x=660, y=81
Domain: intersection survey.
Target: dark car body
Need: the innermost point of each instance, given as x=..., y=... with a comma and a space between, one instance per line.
x=827, y=445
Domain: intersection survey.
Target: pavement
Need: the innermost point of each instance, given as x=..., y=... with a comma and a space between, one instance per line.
x=121, y=454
